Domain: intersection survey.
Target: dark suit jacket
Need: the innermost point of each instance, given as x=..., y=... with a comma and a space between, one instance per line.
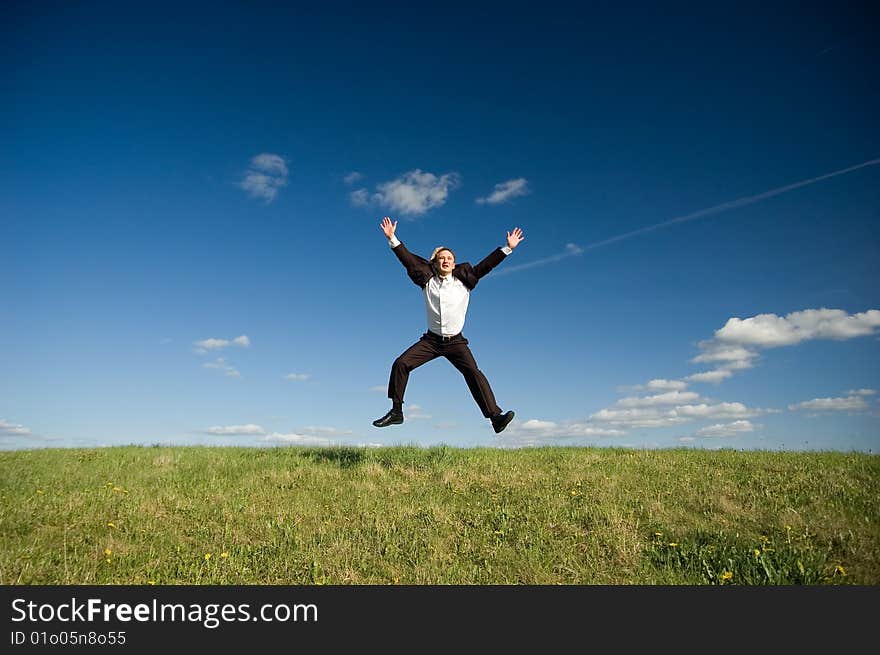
x=420, y=271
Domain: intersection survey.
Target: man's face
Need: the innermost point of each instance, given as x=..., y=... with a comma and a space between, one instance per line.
x=445, y=262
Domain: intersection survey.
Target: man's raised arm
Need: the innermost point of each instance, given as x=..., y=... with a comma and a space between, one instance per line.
x=418, y=269
x=497, y=256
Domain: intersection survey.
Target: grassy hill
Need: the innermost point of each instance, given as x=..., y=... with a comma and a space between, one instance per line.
x=407, y=515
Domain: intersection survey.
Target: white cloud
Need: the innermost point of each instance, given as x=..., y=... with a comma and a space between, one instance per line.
x=248, y=429
x=730, y=355
x=298, y=439
x=326, y=430
x=657, y=384
x=205, y=345
x=536, y=424
x=735, y=345
x=224, y=366
x=411, y=194
x=310, y=435
x=666, y=385
x=12, y=429
x=848, y=404
x=359, y=198
x=297, y=376
x=668, y=398
x=726, y=429
x=352, y=177
x=415, y=413
x=657, y=417
x=535, y=432
x=860, y=392
x=267, y=174
x=770, y=330
x=504, y=191
x=718, y=410
x=715, y=376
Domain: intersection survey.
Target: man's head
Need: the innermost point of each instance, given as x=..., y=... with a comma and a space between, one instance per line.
x=443, y=260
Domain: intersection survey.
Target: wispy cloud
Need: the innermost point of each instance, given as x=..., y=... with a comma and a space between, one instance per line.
x=571, y=250
x=359, y=198
x=326, y=430
x=205, y=345
x=312, y=435
x=266, y=175
x=243, y=430
x=726, y=429
x=8, y=429
x=659, y=416
x=412, y=194
x=415, y=412
x=352, y=177
x=714, y=376
x=301, y=377
x=294, y=438
x=536, y=432
x=506, y=191
x=854, y=402
x=222, y=365
x=676, y=397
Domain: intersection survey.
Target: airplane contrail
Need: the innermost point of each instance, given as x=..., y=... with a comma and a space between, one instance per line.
x=733, y=204
x=572, y=249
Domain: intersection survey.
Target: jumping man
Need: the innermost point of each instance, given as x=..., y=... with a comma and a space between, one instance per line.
x=447, y=288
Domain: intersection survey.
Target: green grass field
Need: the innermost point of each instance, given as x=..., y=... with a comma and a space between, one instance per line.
x=408, y=515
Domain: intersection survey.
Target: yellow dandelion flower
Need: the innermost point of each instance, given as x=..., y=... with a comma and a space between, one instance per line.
x=151, y=582
x=673, y=544
x=40, y=491
x=658, y=534
x=111, y=524
x=107, y=560
x=840, y=569
x=117, y=489
x=107, y=552
x=757, y=553
x=727, y=575
x=207, y=556
x=224, y=555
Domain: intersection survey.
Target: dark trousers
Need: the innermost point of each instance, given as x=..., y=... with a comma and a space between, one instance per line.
x=456, y=350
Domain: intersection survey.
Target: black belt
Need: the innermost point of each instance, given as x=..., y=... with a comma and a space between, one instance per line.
x=442, y=339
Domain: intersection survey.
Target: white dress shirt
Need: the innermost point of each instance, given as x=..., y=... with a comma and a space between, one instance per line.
x=446, y=300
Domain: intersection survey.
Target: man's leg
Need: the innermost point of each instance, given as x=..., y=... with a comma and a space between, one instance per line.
x=422, y=351
x=461, y=357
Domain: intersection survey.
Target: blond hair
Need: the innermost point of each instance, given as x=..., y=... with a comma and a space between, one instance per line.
x=437, y=250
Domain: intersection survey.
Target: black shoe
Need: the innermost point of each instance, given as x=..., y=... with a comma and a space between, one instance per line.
x=500, y=422
x=391, y=418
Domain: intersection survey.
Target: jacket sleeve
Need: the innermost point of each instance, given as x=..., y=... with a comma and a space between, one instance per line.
x=417, y=268
x=491, y=261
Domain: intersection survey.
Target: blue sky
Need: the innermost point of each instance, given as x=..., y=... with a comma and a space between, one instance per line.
x=190, y=198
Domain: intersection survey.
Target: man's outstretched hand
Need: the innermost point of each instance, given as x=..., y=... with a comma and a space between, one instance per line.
x=388, y=228
x=513, y=238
